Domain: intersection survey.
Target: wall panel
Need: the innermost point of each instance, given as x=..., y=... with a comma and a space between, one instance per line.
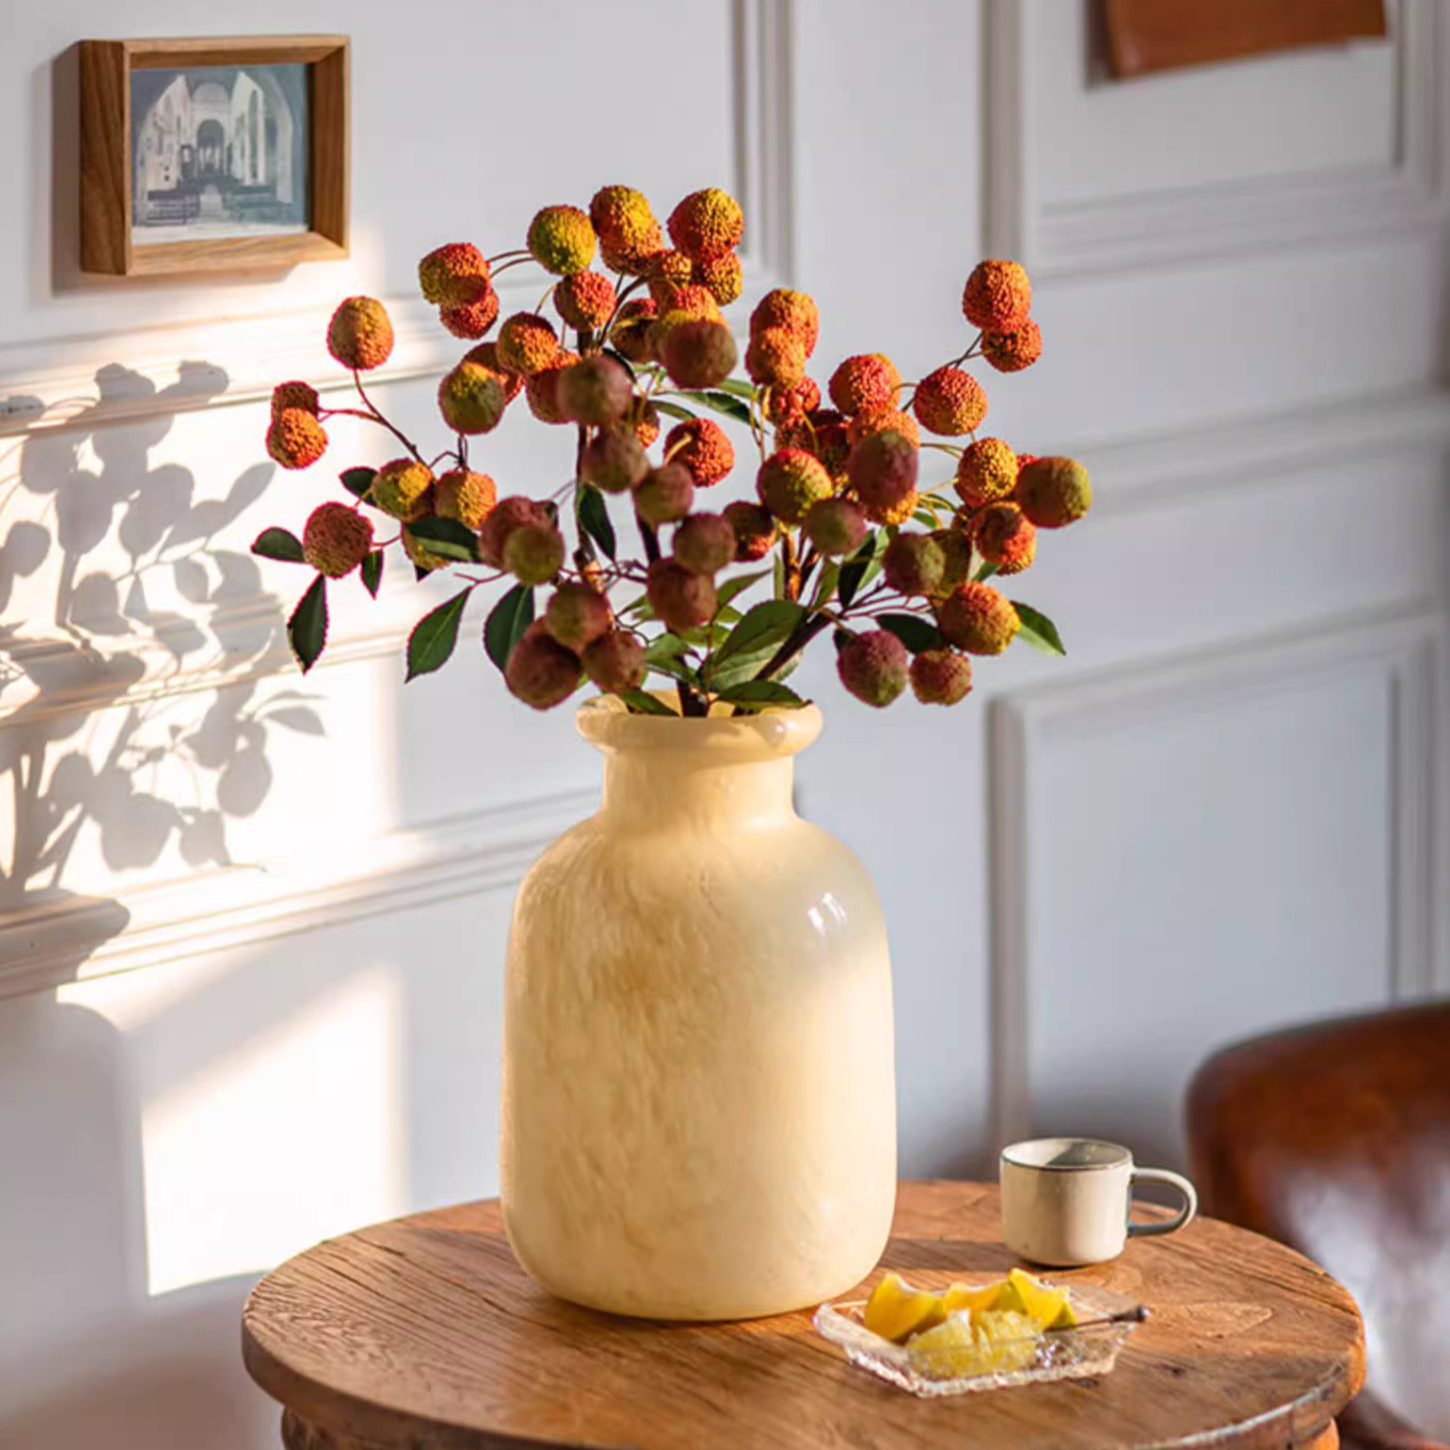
x=1193, y=849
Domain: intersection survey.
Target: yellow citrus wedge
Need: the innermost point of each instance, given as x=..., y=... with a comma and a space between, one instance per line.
x=973, y=1297
x=896, y=1310
x=1049, y=1306
x=993, y=1341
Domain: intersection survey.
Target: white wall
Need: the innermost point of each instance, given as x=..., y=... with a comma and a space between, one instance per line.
x=251, y=954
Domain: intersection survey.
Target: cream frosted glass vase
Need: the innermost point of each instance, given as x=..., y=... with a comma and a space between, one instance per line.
x=698, y=1088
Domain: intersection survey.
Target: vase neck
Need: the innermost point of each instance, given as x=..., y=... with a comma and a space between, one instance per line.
x=657, y=788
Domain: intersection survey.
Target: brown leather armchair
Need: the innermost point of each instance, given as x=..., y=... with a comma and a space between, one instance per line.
x=1335, y=1138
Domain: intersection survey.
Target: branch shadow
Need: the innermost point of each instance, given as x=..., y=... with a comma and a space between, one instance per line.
x=134, y=736
x=91, y=525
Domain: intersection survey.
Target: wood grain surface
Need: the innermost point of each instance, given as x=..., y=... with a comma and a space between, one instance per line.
x=424, y=1333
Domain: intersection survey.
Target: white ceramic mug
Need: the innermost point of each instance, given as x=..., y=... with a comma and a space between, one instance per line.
x=1070, y=1200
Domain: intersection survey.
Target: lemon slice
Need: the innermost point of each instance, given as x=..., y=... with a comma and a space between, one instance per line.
x=1010, y=1338
x=1049, y=1306
x=896, y=1310
x=992, y=1341
x=965, y=1296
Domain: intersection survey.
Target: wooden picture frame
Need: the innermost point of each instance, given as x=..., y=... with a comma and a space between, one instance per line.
x=109, y=170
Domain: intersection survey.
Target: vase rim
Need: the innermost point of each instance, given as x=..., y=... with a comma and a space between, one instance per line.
x=775, y=734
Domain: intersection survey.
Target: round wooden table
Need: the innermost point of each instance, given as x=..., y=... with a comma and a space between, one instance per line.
x=425, y=1334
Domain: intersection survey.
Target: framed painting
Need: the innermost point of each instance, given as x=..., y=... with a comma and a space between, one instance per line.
x=1155, y=35
x=213, y=154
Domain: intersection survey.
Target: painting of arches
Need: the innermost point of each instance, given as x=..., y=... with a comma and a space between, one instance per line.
x=218, y=151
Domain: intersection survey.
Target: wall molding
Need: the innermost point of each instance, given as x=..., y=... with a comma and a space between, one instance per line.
x=244, y=641
x=72, y=382
x=1404, y=645
x=1179, y=465
x=765, y=138
x=225, y=908
x=1124, y=233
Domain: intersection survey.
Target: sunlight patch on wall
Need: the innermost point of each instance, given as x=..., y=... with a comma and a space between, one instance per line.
x=297, y=1136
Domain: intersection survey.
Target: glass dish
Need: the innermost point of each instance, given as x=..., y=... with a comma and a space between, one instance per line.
x=1064, y=1354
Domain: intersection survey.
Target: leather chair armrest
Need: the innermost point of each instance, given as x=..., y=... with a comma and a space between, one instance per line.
x=1367, y=1423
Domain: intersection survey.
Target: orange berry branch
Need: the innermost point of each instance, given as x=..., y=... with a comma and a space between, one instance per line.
x=839, y=523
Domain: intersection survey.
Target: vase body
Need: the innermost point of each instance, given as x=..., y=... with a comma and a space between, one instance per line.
x=698, y=1108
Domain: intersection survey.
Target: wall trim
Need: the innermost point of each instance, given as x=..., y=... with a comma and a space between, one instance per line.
x=1125, y=233
x=765, y=137
x=58, y=383
x=225, y=908
x=1405, y=644
x=1177, y=465
x=81, y=679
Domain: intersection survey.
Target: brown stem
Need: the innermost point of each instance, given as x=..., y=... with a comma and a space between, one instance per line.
x=792, y=567
x=692, y=704
x=620, y=296
x=585, y=554
x=971, y=352
x=377, y=417
x=799, y=638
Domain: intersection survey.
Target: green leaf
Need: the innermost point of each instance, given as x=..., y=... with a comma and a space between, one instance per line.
x=720, y=403
x=862, y=566
x=826, y=584
x=278, y=544
x=916, y=633
x=672, y=410
x=594, y=519
x=985, y=572
x=640, y=609
x=665, y=646
x=761, y=695
x=739, y=387
x=434, y=636
x=767, y=623
x=675, y=668
x=753, y=642
x=307, y=629
x=1038, y=630
x=357, y=481
x=448, y=537
x=506, y=622
x=643, y=703
x=710, y=637
x=372, y=571
x=738, y=585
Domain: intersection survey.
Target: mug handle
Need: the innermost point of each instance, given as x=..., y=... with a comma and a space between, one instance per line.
x=1184, y=1214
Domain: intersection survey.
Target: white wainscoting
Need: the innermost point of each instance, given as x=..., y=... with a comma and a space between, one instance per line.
x=1118, y=233
x=1128, y=809
x=486, y=849
x=1234, y=454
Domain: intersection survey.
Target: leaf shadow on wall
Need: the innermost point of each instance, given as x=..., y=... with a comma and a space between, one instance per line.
x=134, y=731
x=107, y=532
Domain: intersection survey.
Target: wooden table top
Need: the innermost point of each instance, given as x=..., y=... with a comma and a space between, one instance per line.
x=424, y=1333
